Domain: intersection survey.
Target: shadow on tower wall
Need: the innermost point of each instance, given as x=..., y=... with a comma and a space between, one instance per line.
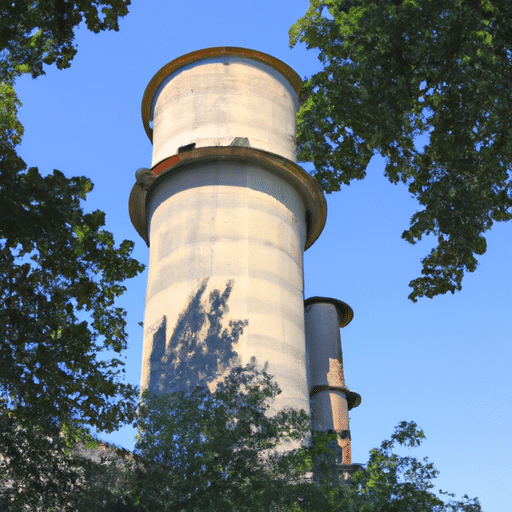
x=200, y=349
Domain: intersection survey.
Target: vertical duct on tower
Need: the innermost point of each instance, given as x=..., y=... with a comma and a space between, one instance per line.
x=330, y=399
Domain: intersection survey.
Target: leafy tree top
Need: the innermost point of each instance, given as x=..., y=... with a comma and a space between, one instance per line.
x=425, y=84
x=219, y=449
x=216, y=449
x=42, y=32
x=61, y=274
x=61, y=332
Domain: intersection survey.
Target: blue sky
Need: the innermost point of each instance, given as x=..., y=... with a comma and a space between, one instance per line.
x=444, y=363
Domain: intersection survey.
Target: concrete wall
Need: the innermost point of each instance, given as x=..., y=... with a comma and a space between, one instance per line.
x=219, y=97
x=228, y=225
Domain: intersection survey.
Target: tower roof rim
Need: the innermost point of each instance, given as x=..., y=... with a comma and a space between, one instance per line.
x=345, y=312
x=207, y=53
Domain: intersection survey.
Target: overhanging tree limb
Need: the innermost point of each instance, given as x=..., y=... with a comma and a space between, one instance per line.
x=425, y=84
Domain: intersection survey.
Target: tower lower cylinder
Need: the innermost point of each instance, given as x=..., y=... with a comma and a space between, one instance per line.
x=227, y=231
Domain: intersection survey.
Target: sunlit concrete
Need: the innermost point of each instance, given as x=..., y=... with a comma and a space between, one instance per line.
x=229, y=221
x=227, y=216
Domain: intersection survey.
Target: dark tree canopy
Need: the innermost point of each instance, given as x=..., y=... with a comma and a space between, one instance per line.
x=41, y=32
x=425, y=84
x=61, y=271
x=210, y=450
x=61, y=332
x=215, y=450
x=42, y=470
x=60, y=276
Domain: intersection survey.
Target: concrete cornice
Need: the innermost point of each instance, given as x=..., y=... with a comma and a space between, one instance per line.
x=353, y=398
x=345, y=312
x=308, y=188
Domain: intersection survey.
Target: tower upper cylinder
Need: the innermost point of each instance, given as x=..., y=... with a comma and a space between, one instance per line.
x=220, y=97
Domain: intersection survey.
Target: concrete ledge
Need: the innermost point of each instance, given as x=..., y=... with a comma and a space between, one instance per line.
x=353, y=398
x=345, y=312
x=308, y=188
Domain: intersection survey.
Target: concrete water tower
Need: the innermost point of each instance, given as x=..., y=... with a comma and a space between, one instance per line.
x=227, y=214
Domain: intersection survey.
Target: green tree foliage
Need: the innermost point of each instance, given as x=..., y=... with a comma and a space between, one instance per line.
x=425, y=84
x=61, y=271
x=38, y=33
x=11, y=129
x=34, y=33
x=61, y=274
x=221, y=450
x=61, y=332
x=218, y=450
x=395, y=483
x=44, y=470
